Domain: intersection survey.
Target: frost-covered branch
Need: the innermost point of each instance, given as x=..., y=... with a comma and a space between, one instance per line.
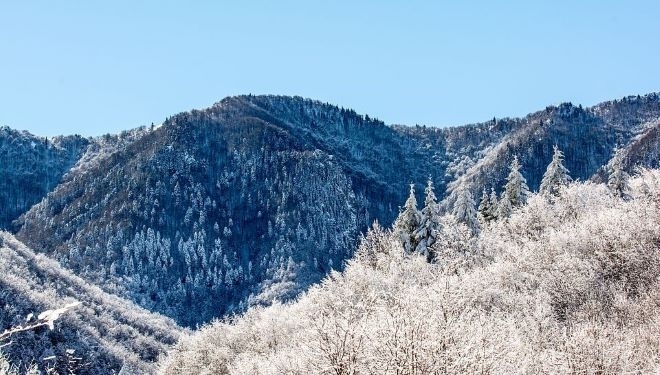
x=46, y=318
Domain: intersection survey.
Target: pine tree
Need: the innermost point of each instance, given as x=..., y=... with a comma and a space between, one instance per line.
x=408, y=222
x=484, y=209
x=494, y=203
x=515, y=191
x=556, y=176
x=429, y=226
x=504, y=207
x=617, y=181
x=464, y=210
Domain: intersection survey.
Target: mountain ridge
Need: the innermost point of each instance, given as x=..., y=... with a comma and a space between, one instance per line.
x=257, y=197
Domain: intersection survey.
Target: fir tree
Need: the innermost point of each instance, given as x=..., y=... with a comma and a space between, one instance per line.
x=485, y=212
x=408, y=222
x=515, y=191
x=429, y=226
x=464, y=210
x=556, y=176
x=493, y=204
x=617, y=181
x=504, y=207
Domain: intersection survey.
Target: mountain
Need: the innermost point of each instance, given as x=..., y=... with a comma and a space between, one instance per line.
x=258, y=197
x=252, y=199
x=32, y=167
x=100, y=336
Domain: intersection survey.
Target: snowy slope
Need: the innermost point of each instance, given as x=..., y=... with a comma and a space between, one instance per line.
x=106, y=332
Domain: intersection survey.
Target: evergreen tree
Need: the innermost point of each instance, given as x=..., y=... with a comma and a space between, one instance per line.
x=429, y=226
x=515, y=191
x=617, y=181
x=494, y=203
x=464, y=210
x=556, y=176
x=485, y=212
x=408, y=222
x=504, y=207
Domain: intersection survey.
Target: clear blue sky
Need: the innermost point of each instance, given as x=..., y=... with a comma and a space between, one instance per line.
x=93, y=67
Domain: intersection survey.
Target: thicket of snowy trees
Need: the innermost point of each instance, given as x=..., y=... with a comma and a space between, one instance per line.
x=100, y=336
x=421, y=231
x=567, y=285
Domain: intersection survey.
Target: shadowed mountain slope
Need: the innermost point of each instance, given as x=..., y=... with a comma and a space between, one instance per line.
x=31, y=167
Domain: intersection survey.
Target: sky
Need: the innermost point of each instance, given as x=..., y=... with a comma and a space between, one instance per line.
x=97, y=67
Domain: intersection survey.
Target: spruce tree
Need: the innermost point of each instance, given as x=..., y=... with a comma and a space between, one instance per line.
x=464, y=210
x=494, y=203
x=429, y=226
x=515, y=191
x=556, y=175
x=617, y=180
x=485, y=212
x=504, y=207
x=408, y=222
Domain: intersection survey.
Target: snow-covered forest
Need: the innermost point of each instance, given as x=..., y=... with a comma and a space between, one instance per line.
x=102, y=335
x=259, y=197
x=568, y=283
x=306, y=238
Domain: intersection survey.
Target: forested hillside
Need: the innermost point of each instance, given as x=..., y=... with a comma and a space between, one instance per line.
x=31, y=167
x=567, y=284
x=588, y=137
x=102, y=335
x=258, y=197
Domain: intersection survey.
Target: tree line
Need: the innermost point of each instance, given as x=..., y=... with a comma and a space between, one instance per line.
x=419, y=230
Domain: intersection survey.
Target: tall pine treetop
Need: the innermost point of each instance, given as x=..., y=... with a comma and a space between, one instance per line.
x=617, y=180
x=407, y=223
x=516, y=187
x=429, y=227
x=556, y=175
x=464, y=210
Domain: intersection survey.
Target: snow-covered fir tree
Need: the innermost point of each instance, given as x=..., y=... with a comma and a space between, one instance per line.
x=494, y=203
x=464, y=210
x=504, y=207
x=556, y=175
x=617, y=180
x=408, y=222
x=485, y=211
x=429, y=226
x=516, y=189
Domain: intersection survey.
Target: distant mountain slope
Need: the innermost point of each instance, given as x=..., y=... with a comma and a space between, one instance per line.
x=106, y=332
x=642, y=151
x=31, y=167
x=587, y=137
x=257, y=197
